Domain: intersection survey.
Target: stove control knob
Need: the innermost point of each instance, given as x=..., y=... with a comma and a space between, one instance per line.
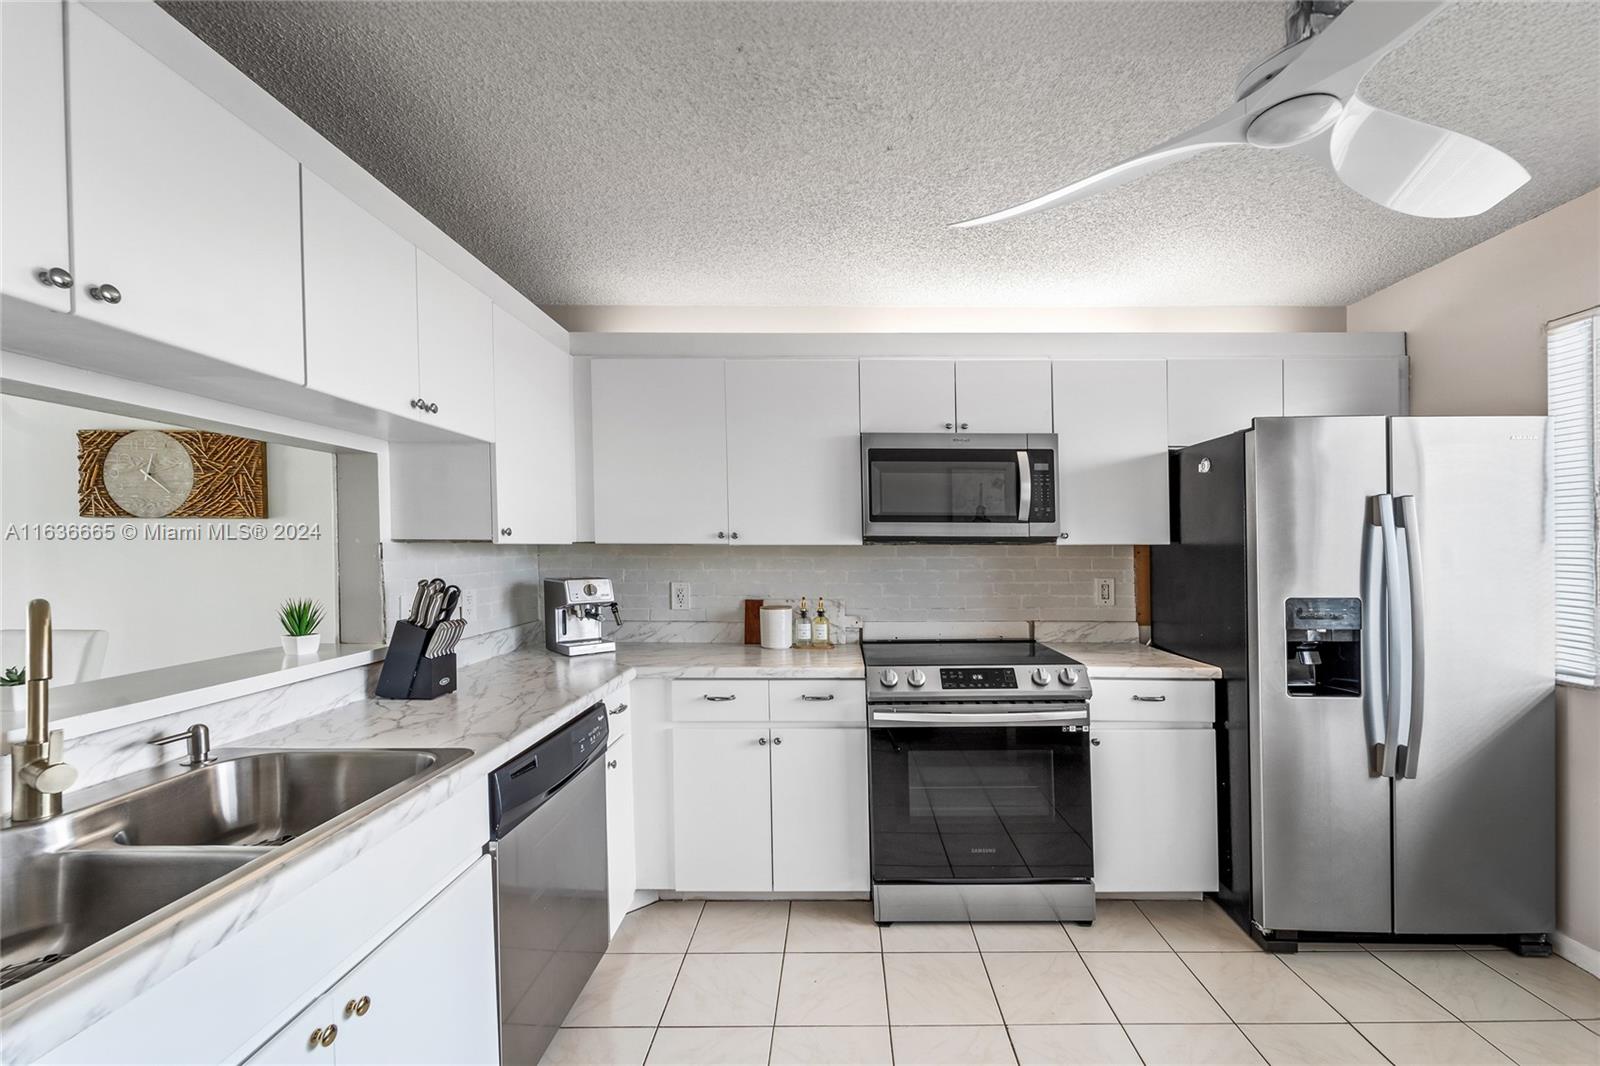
x=916, y=679
x=888, y=679
x=1041, y=676
x=1069, y=676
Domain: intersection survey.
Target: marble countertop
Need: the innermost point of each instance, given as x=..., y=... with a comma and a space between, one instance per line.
x=740, y=660
x=502, y=706
x=1130, y=660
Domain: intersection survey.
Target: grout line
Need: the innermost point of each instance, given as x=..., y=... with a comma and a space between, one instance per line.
x=1524, y=987
x=681, y=960
x=1006, y=1025
x=1107, y=999
x=1420, y=989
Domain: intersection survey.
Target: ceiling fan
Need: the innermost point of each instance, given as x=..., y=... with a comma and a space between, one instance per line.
x=1303, y=99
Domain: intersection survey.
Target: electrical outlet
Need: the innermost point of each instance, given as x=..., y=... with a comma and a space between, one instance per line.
x=1105, y=591
x=681, y=599
x=468, y=605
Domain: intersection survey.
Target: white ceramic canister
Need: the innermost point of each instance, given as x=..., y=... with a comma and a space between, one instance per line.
x=777, y=625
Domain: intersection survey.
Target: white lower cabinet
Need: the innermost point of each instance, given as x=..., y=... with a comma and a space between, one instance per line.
x=621, y=864
x=1155, y=808
x=722, y=802
x=819, y=809
x=426, y=995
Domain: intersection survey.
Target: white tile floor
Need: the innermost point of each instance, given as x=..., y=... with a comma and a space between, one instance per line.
x=1152, y=982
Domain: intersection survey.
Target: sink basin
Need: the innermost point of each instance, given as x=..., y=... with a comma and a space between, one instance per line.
x=126, y=851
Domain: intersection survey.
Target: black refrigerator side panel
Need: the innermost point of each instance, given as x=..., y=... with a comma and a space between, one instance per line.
x=1199, y=602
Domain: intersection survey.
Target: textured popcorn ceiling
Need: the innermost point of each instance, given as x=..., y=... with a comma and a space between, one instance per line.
x=808, y=153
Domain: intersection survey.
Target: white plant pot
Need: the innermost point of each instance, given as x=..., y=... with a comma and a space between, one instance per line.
x=13, y=697
x=301, y=647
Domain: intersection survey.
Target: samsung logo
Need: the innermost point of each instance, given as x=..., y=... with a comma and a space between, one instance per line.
x=1523, y=436
x=982, y=851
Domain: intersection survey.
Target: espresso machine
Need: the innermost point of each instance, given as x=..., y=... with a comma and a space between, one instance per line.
x=572, y=610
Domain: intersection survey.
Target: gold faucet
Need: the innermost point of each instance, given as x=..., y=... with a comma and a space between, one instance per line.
x=38, y=774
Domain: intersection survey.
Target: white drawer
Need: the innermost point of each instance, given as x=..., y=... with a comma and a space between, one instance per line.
x=839, y=700
x=714, y=700
x=1126, y=700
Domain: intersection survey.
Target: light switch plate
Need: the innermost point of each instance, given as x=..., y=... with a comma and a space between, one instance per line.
x=680, y=593
x=1105, y=591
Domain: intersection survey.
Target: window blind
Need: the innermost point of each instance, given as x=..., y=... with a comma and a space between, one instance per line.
x=1572, y=347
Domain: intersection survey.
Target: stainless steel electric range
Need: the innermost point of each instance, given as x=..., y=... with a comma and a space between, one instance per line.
x=979, y=782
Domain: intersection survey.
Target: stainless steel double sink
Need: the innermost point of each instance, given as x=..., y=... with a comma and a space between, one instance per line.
x=137, y=846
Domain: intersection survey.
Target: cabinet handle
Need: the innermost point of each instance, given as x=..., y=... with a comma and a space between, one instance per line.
x=777, y=740
x=55, y=277
x=505, y=531
x=817, y=699
x=1150, y=699
x=108, y=294
x=358, y=1007
x=722, y=699
x=612, y=764
x=324, y=1036
x=949, y=425
x=964, y=425
x=619, y=709
x=762, y=741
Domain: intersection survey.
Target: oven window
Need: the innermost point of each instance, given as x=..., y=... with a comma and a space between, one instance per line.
x=958, y=486
x=980, y=804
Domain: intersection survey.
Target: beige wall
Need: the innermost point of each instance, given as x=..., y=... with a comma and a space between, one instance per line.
x=1474, y=329
x=1475, y=322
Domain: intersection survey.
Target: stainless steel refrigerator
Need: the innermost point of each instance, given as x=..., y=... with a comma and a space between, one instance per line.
x=1379, y=593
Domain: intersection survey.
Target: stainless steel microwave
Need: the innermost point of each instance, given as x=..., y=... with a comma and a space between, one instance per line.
x=964, y=487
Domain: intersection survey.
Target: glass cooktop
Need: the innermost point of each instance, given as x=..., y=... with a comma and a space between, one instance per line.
x=899, y=653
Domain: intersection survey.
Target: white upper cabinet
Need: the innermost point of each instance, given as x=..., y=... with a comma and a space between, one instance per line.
x=455, y=349
x=660, y=451
x=33, y=156
x=908, y=395
x=1003, y=396
x=1344, y=386
x=794, y=451
x=1212, y=397
x=1111, y=417
x=534, y=487
x=185, y=221
x=361, y=304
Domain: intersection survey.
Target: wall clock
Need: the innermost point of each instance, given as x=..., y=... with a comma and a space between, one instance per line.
x=179, y=473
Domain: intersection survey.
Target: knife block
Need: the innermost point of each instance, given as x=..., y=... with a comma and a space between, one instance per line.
x=407, y=673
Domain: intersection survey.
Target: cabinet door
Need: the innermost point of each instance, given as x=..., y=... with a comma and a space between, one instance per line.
x=908, y=395
x=534, y=490
x=301, y=1040
x=1211, y=397
x=721, y=809
x=1111, y=417
x=190, y=214
x=1344, y=386
x=819, y=809
x=794, y=451
x=660, y=451
x=455, y=350
x=33, y=153
x=430, y=989
x=620, y=862
x=361, y=304
x=1003, y=395
x=1155, y=809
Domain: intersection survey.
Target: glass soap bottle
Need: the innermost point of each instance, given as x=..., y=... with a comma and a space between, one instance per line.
x=802, y=626
x=821, y=628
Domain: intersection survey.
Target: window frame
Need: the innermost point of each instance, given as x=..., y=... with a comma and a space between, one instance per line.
x=1572, y=368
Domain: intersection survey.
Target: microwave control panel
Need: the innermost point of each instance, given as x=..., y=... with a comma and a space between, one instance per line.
x=1042, y=507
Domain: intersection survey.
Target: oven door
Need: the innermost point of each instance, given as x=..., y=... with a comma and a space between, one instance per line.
x=983, y=804
x=975, y=487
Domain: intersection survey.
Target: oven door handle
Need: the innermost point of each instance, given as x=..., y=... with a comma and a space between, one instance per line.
x=997, y=718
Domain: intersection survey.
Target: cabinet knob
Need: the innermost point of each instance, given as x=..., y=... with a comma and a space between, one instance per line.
x=734, y=536
x=777, y=740
x=612, y=764
x=505, y=531
x=55, y=277
x=358, y=1007
x=416, y=405
x=433, y=408
x=108, y=294
x=949, y=425
x=324, y=1036
x=965, y=425
x=762, y=741
x=722, y=534
x=1095, y=741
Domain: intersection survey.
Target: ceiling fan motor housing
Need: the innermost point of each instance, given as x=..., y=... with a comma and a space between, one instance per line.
x=1294, y=120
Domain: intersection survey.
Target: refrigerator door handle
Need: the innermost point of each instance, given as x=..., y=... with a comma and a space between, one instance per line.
x=1374, y=683
x=1411, y=729
x=1397, y=636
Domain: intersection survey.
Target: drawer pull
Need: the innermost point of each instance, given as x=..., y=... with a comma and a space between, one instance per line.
x=619, y=708
x=720, y=699
x=1150, y=699
x=817, y=699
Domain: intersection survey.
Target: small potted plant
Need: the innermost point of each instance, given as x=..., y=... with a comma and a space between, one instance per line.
x=300, y=619
x=13, y=690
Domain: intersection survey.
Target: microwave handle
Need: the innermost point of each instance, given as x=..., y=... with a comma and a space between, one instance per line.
x=1024, y=488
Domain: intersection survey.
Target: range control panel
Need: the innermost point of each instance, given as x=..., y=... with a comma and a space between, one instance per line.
x=1000, y=682
x=978, y=677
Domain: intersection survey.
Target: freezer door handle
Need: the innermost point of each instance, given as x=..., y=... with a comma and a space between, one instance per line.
x=1397, y=636
x=1374, y=705
x=1411, y=728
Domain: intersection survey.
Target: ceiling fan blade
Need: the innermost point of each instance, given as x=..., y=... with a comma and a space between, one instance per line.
x=1417, y=168
x=1225, y=129
x=1338, y=57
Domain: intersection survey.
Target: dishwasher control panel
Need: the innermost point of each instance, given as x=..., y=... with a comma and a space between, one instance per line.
x=528, y=781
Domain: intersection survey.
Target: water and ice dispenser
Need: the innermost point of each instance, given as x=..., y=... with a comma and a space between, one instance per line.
x=1322, y=638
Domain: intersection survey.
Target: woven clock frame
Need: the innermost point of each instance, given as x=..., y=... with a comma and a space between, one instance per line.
x=230, y=475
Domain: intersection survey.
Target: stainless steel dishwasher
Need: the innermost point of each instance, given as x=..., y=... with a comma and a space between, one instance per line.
x=547, y=816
